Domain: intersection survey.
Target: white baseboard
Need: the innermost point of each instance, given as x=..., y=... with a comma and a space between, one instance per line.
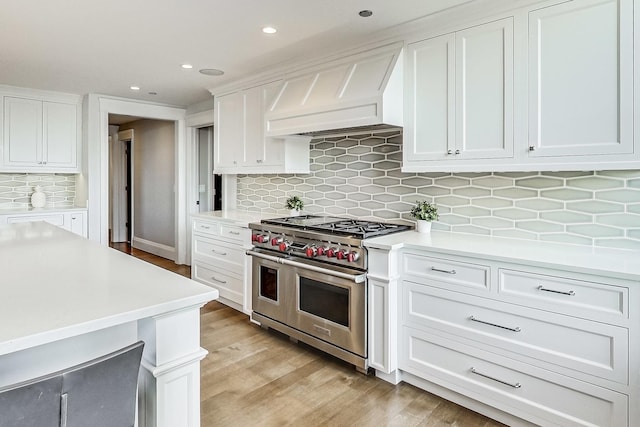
x=159, y=249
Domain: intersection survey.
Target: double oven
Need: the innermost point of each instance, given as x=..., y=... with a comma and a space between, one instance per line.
x=309, y=282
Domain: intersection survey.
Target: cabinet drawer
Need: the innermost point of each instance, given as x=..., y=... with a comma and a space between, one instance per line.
x=561, y=343
x=229, y=285
x=530, y=393
x=565, y=295
x=206, y=227
x=235, y=234
x=448, y=273
x=55, y=219
x=216, y=252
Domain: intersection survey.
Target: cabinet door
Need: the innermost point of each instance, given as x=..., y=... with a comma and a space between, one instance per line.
x=77, y=223
x=429, y=123
x=60, y=133
x=229, y=141
x=484, y=91
x=581, y=78
x=22, y=132
x=254, y=121
x=274, y=148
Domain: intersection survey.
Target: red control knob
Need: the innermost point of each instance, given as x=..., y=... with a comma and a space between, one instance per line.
x=275, y=241
x=322, y=250
x=341, y=254
x=331, y=252
x=283, y=246
x=311, y=252
x=254, y=237
x=353, y=256
x=261, y=238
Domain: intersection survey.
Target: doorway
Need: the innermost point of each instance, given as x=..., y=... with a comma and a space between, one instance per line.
x=209, y=186
x=121, y=185
x=127, y=193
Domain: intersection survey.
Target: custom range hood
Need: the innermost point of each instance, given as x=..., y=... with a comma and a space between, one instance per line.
x=358, y=91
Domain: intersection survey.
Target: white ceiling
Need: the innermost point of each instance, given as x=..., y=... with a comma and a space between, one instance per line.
x=90, y=46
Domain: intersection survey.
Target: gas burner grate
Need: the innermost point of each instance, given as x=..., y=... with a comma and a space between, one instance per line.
x=338, y=226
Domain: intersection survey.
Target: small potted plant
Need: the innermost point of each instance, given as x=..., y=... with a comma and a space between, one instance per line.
x=424, y=212
x=295, y=205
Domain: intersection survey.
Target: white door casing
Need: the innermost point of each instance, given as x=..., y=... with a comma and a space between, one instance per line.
x=96, y=117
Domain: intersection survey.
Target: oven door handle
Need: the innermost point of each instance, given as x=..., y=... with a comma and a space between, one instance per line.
x=357, y=278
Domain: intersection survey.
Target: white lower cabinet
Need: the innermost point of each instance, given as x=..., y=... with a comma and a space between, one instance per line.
x=74, y=221
x=218, y=259
x=521, y=344
x=533, y=394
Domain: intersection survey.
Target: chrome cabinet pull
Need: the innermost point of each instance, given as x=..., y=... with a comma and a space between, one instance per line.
x=219, y=253
x=443, y=271
x=555, y=291
x=218, y=280
x=235, y=233
x=532, y=148
x=449, y=152
x=206, y=227
x=457, y=151
x=514, y=385
x=516, y=329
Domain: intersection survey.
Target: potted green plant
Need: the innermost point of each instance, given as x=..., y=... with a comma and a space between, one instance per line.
x=295, y=205
x=424, y=212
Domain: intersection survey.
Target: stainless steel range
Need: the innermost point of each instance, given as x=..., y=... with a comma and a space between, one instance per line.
x=309, y=280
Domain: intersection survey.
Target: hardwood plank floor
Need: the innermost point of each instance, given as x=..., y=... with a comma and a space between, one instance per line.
x=254, y=377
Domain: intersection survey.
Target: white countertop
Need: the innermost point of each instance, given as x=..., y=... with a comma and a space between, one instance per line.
x=236, y=216
x=12, y=211
x=54, y=285
x=618, y=263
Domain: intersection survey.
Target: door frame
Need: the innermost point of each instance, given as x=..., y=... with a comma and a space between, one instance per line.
x=94, y=184
x=229, y=188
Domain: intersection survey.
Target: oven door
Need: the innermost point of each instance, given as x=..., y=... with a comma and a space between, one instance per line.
x=272, y=286
x=330, y=304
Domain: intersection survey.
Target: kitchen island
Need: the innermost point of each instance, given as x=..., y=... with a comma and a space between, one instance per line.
x=66, y=300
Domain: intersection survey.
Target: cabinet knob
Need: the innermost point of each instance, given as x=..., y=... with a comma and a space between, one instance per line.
x=449, y=152
x=532, y=148
x=258, y=161
x=457, y=151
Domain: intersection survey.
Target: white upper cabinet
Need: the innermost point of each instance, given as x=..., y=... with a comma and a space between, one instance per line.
x=459, y=97
x=40, y=135
x=581, y=79
x=59, y=135
x=240, y=144
x=229, y=131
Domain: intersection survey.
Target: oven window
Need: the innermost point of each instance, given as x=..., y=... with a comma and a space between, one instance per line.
x=269, y=283
x=323, y=300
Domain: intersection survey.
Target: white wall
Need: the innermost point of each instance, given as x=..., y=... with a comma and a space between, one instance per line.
x=153, y=181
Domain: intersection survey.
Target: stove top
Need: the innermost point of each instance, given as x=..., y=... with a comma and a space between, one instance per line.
x=336, y=225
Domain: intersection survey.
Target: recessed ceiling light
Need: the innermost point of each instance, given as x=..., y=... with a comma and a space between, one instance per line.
x=365, y=13
x=269, y=30
x=134, y=87
x=187, y=66
x=211, y=72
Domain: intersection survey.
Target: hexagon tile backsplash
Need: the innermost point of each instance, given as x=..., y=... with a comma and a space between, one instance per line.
x=359, y=176
x=16, y=189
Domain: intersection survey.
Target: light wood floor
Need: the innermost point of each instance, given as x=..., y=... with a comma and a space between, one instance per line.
x=254, y=377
